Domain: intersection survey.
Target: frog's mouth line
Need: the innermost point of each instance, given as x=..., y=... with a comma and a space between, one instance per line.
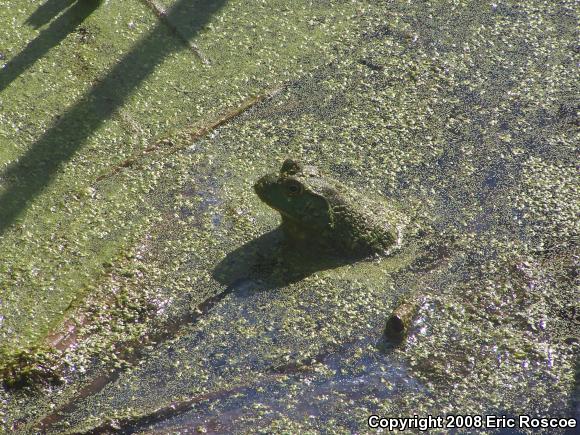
x=260, y=192
x=282, y=212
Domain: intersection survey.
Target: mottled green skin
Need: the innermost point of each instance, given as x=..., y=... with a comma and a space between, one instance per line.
x=319, y=210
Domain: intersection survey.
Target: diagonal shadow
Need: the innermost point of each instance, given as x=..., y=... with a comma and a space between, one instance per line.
x=47, y=39
x=27, y=177
x=47, y=11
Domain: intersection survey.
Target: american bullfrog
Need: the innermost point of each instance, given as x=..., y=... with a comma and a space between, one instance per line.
x=318, y=210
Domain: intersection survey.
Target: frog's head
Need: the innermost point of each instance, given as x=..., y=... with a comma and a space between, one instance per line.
x=299, y=194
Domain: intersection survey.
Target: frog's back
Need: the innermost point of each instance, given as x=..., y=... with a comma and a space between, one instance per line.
x=366, y=225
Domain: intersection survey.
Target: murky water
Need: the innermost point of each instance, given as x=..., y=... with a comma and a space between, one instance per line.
x=452, y=112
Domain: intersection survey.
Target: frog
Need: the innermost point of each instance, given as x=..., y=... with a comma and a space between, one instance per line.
x=320, y=211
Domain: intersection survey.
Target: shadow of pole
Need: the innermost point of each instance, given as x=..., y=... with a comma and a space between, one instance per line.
x=47, y=11
x=46, y=40
x=29, y=175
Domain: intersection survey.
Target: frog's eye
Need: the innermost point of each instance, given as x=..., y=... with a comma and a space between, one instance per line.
x=294, y=188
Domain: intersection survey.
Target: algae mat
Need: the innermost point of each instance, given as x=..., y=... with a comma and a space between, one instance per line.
x=86, y=86
x=464, y=114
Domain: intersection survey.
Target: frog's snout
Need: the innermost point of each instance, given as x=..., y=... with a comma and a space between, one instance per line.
x=261, y=186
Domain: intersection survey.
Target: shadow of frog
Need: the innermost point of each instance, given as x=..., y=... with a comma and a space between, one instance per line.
x=272, y=260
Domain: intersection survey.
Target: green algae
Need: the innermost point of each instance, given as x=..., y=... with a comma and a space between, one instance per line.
x=67, y=234
x=428, y=128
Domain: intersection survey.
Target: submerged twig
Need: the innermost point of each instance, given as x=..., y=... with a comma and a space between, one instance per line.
x=189, y=136
x=400, y=321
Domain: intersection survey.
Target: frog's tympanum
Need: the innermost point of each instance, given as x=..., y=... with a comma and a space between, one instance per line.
x=321, y=211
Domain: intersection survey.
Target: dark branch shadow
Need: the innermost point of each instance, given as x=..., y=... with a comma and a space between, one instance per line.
x=27, y=177
x=47, y=11
x=47, y=39
x=272, y=262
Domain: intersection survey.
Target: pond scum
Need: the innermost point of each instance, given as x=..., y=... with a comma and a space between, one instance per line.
x=145, y=287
